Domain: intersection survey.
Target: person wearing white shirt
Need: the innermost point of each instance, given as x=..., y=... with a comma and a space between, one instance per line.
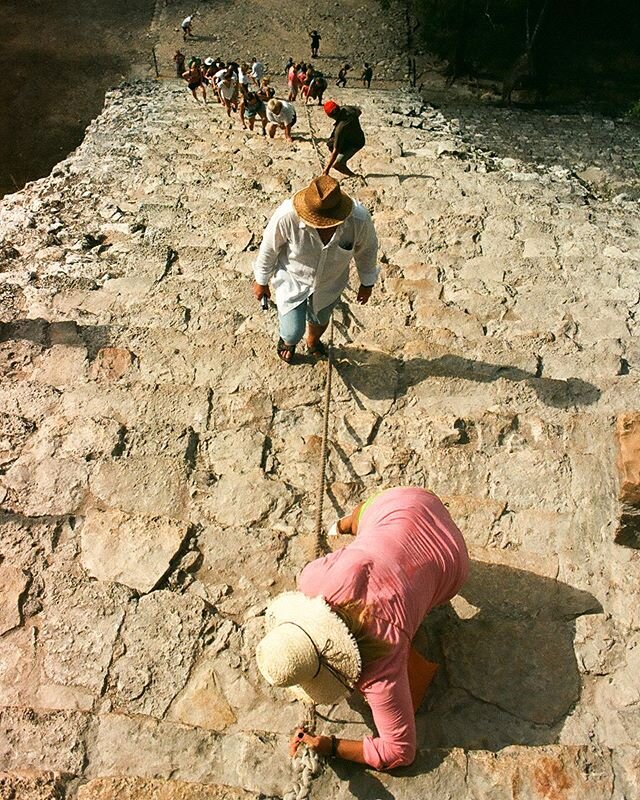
x=281, y=114
x=215, y=81
x=244, y=78
x=186, y=27
x=228, y=91
x=257, y=71
x=305, y=254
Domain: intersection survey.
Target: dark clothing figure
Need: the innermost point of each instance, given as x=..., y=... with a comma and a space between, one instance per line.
x=342, y=75
x=367, y=74
x=178, y=60
x=347, y=138
x=315, y=43
x=317, y=88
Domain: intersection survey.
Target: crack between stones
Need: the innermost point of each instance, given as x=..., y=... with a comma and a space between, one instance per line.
x=541, y=725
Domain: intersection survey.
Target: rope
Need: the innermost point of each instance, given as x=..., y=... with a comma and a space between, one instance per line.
x=324, y=452
x=307, y=763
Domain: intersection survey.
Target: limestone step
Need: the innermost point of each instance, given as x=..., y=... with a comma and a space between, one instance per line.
x=136, y=759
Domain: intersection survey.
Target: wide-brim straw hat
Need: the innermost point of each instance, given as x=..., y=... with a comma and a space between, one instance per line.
x=323, y=204
x=309, y=649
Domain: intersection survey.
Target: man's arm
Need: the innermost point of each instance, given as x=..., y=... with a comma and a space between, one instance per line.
x=349, y=525
x=365, y=250
x=365, y=253
x=332, y=160
x=272, y=242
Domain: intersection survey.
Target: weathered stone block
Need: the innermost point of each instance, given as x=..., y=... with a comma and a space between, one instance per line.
x=80, y=628
x=142, y=485
x=41, y=486
x=111, y=363
x=61, y=365
x=570, y=773
x=134, y=550
x=13, y=582
x=201, y=703
x=628, y=439
x=243, y=499
x=31, y=785
x=154, y=668
x=150, y=789
x=18, y=668
x=47, y=740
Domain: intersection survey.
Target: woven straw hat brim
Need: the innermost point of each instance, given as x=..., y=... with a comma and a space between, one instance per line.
x=326, y=219
x=315, y=616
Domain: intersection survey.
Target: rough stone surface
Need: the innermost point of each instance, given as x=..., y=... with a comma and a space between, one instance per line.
x=151, y=671
x=158, y=463
x=135, y=550
x=111, y=363
x=31, y=786
x=628, y=437
x=13, y=582
x=140, y=789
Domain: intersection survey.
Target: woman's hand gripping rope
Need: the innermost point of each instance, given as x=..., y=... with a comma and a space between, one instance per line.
x=321, y=744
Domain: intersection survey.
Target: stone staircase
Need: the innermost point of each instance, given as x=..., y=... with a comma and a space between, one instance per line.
x=159, y=462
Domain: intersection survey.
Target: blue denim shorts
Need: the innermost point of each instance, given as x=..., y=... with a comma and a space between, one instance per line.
x=294, y=322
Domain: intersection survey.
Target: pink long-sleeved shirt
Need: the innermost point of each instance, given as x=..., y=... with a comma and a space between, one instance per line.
x=408, y=557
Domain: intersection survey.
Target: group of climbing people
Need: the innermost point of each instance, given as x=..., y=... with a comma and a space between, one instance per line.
x=246, y=90
x=350, y=624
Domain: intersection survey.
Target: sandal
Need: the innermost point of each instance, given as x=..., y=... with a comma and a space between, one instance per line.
x=285, y=351
x=319, y=349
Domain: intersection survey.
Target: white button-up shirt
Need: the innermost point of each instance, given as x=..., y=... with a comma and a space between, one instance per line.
x=257, y=70
x=293, y=256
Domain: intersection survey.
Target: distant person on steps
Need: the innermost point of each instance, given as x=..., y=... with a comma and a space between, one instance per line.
x=186, y=26
x=342, y=75
x=179, y=60
x=195, y=80
x=315, y=43
x=367, y=75
x=347, y=137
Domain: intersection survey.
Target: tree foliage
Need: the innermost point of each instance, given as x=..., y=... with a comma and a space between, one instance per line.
x=588, y=42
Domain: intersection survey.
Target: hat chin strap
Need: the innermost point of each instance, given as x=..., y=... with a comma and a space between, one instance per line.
x=315, y=646
x=321, y=661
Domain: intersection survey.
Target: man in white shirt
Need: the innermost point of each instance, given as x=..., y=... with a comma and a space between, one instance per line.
x=306, y=252
x=281, y=114
x=186, y=27
x=257, y=71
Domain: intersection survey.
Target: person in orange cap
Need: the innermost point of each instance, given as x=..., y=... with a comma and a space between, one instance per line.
x=347, y=137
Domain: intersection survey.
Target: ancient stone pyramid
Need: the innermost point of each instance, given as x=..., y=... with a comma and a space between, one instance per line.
x=159, y=463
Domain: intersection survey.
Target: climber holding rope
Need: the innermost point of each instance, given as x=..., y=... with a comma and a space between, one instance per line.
x=305, y=252
x=351, y=623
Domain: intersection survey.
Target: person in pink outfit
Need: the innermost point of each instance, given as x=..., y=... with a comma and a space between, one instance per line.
x=351, y=623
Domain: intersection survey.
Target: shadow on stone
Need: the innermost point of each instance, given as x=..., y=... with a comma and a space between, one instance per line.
x=66, y=332
x=509, y=674
x=362, y=785
x=379, y=376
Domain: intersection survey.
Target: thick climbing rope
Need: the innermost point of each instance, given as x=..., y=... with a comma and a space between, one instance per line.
x=307, y=763
x=319, y=541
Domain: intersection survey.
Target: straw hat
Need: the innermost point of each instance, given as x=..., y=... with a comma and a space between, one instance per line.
x=323, y=204
x=308, y=648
